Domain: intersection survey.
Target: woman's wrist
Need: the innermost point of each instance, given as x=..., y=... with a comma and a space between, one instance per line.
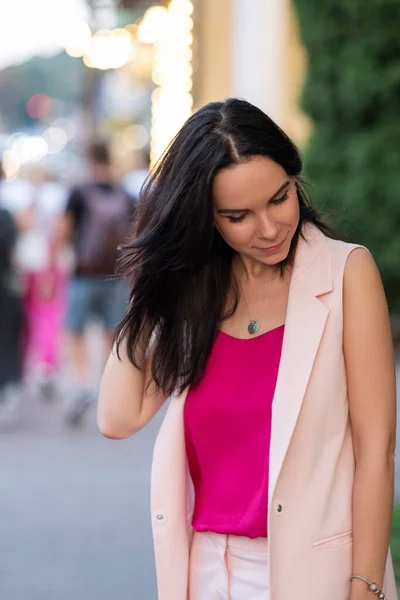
x=360, y=590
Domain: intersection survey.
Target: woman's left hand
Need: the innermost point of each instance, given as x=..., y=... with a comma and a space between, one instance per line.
x=360, y=591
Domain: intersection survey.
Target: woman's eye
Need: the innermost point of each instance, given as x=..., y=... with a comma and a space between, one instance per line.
x=236, y=219
x=281, y=199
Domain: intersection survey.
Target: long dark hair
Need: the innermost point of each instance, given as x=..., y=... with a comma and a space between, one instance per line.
x=178, y=266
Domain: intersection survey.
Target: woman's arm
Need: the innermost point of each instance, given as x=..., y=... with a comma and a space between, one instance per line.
x=372, y=402
x=125, y=403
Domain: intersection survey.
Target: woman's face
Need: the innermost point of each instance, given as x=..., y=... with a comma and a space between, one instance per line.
x=256, y=209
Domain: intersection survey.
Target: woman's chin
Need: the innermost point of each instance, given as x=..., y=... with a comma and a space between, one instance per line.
x=273, y=259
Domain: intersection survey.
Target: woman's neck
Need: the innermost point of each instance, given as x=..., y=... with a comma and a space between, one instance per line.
x=251, y=271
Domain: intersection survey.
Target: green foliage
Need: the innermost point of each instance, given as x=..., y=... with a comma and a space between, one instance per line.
x=395, y=542
x=352, y=94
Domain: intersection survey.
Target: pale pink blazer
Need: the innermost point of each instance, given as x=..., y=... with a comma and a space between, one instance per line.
x=311, y=453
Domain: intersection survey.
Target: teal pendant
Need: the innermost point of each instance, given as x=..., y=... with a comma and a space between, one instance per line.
x=253, y=327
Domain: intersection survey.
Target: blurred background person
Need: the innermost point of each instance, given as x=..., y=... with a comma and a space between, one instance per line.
x=11, y=319
x=97, y=220
x=47, y=265
x=134, y=180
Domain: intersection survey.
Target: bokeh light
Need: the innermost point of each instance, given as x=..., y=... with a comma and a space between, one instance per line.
x=26, y=149
x=109, y=49
x=135, y=137
x=11, y=165
x=172, y=101
x=153, y=24
x=80, y=42
x=56, y=139
x=68, y=125
x=39, y=106
x=74, y=35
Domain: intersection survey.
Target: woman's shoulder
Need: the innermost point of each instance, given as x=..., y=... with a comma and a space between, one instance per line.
x=341, y=248
x=351, y=259
x=351, y=263
x=320, y=241
x=336, y=254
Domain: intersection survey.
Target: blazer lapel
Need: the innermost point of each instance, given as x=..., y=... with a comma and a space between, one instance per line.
x=305, y=322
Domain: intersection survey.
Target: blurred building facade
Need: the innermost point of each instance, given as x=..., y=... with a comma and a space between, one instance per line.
x=245, y=48
x=140, y=68
x=252, y=49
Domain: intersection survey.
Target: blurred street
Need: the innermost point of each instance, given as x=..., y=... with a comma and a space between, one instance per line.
x=74, y=510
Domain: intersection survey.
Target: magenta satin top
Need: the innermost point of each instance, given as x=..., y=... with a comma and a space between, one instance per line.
x=228, y=432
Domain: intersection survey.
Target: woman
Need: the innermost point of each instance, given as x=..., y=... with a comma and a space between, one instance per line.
x=273, y=469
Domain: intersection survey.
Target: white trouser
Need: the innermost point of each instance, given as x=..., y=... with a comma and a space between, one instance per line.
x=228, y=567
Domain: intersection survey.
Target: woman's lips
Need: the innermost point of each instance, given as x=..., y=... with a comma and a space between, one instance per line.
x=271, y=249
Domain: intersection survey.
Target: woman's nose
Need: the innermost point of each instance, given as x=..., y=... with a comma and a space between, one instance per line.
x=267, y=229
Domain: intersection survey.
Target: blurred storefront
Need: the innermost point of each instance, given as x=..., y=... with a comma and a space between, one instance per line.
x=137, y=69
x=207, y=50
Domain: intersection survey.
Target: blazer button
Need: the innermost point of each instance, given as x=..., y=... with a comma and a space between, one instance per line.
x=279, y=509
x=161, y=518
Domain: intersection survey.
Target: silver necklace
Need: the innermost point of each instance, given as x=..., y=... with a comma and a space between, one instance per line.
x=254, y=325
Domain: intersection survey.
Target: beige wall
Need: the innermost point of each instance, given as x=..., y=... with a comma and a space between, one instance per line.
x=212, y=51
x=296, y=123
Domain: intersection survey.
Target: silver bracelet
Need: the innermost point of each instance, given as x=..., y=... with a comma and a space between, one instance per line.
x=372, y=586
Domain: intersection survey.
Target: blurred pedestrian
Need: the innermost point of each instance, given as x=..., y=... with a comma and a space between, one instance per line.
x=11, y=321
x=98, y=219
x=46, y=272
x=134, y=180
x=273, y=339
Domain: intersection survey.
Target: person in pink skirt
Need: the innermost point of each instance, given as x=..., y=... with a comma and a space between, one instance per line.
x=45, y=261
x=44, y=307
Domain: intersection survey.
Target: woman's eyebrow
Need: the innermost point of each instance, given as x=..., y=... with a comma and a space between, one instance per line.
x=224, y=211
